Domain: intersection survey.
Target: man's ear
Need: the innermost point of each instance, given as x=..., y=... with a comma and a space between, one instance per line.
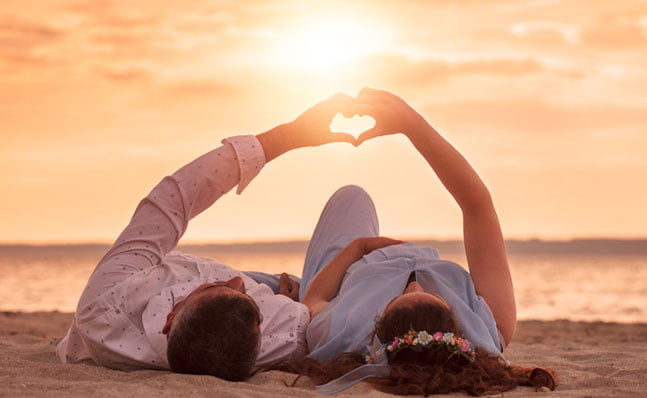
x=169, y=321
x=236, y=283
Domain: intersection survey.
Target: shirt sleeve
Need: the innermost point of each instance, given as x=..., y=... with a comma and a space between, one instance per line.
x=286, y=339
x=283, y=329
x=162, y=217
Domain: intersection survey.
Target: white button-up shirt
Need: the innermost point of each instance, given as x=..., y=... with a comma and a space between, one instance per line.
x=122, y=311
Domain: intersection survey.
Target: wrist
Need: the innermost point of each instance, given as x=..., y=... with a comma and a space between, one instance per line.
x=359, y=247
x=417, y=127
x=420, y=134
x=275, y=142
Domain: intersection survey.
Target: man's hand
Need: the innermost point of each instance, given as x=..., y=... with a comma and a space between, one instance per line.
x=311, y=128
x=288, y=287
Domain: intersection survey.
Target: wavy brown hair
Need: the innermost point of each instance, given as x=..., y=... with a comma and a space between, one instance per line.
x=432, y=370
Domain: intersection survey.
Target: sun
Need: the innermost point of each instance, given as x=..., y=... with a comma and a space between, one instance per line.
x=324, y=42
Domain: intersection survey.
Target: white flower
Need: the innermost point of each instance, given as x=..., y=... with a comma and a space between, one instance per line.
x=424, y=338
x=448, y=338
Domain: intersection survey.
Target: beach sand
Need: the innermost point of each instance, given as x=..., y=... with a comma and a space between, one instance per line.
x=592, y=360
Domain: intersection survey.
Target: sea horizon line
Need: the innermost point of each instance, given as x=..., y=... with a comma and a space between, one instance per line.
x=584, y=245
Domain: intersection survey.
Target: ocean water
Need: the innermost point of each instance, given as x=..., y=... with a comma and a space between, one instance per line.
x=588, y=281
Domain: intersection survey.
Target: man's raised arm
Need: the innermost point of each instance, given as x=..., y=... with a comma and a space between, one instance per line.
x=162, y=217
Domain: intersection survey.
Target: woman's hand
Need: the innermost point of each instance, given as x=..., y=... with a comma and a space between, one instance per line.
x=392, y=114
x=325, y=285
x=377, y=242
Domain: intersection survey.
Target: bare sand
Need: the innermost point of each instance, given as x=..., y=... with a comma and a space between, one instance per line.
x=592, y=359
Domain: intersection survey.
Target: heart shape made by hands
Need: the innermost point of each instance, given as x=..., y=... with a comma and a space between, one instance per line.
x=353, y=126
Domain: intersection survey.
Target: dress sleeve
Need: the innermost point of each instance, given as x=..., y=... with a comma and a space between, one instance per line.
x=472, y=313
x=162, y=217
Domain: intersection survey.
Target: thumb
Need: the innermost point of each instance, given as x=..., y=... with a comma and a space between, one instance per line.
x=288, y=287
x=368, y=134
x=284, y=283
x=342, y=137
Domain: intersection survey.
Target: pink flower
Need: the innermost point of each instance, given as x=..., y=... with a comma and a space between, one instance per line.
x=408, y=338
x=438, y=336
x=395, y=343
x=464, y=345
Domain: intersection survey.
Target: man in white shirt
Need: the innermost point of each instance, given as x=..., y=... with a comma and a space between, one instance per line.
x=148, y=307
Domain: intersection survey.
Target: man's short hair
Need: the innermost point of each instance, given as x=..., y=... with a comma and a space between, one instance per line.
x=217, y=336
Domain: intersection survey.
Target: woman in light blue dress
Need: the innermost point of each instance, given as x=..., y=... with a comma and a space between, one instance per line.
x=395, y=313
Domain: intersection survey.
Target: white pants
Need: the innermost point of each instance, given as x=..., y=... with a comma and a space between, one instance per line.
x=349, y=214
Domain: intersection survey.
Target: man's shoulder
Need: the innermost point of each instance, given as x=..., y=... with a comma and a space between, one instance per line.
x=181, y=258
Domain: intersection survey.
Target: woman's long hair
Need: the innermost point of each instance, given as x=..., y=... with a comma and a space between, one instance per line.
x=432, y=370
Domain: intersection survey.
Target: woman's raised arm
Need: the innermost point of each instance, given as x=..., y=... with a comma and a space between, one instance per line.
x=483, y=240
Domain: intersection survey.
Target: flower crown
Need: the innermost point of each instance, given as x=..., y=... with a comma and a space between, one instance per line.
x=418, y=341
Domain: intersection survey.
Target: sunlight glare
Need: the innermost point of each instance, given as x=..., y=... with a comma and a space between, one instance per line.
x=354, y=126
x=327, y=42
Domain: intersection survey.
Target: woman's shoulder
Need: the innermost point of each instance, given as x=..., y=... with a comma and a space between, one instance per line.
x=346, y=323
x=332, y=333
x=403, y=250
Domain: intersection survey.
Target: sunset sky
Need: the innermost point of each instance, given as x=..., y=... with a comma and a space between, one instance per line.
x=100, y=99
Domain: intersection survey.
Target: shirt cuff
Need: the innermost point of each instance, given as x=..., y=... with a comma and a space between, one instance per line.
x=250, y=156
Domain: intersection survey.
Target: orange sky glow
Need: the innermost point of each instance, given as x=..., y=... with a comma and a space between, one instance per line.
x=100, y=99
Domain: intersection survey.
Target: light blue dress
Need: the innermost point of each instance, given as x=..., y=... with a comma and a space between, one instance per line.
x=348, y=322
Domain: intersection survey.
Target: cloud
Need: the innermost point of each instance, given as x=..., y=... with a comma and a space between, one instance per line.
x=399, y=71
x=107, y=13
x=144, y=46
x=615, y=33
x=126, y=75
x=117, y=39
x=203, y=88
x=21, y=41
x=26, y=33
x=508, y=67
x=546, y=32
x=538, y=117
x=21, y=36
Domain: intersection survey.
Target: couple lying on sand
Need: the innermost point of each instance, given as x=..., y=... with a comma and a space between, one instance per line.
x=367, y=307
